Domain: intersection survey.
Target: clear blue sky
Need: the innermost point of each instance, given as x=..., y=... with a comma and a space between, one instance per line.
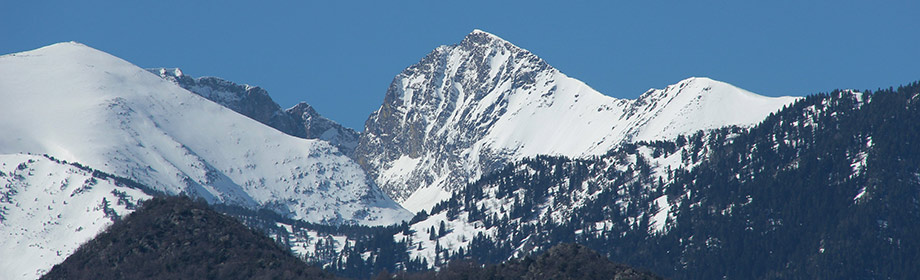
x=340, y=56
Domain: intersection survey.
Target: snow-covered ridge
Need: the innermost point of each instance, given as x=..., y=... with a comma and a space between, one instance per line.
x=467, y=109
x=697, y=104
x=83, y=105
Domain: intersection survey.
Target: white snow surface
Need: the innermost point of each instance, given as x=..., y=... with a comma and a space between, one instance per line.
x=659, y=220
x=83, y=105
x=47, y=209
x=467, y=109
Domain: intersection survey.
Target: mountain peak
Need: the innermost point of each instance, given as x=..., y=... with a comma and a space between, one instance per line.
x=480, y=32
x=469, y=96
x=702, y=86
x=62, y=47
x=67, y=45
x=697, y=80
x=484, y=102
x=700, y=103
x=303, y=107
x=480, y=39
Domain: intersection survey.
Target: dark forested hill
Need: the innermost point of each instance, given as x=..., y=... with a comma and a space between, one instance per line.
x=176, y=238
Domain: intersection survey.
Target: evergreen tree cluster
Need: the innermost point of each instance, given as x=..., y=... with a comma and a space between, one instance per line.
x=563, y=261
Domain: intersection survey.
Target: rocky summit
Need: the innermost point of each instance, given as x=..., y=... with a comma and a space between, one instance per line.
x=468, y=109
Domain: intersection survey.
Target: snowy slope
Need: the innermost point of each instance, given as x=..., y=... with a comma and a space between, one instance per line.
x=48, y=208
x=83, y=105
x=468, y=109
x=697, y=104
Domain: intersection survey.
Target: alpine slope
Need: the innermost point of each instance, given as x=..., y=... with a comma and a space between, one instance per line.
x=82, y=105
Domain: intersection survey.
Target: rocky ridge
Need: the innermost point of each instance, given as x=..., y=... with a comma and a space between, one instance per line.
x=252, y=101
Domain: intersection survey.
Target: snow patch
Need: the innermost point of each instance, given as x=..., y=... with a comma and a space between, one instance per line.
x=659, y=220
x=425, y=198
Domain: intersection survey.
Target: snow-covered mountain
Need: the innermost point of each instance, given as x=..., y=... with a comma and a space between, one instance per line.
x=301, y=120
x=48, y=208
x=83, y=105
x=468, y=109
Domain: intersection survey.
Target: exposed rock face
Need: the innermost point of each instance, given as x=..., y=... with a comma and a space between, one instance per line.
x=468, y=109
x=315, y=126
x=254, y=102
x=435, y=111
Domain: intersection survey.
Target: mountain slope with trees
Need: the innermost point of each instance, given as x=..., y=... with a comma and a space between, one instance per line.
x=825, y=188
x=563, y=261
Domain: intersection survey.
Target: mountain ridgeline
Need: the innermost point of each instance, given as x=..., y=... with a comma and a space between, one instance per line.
x=301, y=120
